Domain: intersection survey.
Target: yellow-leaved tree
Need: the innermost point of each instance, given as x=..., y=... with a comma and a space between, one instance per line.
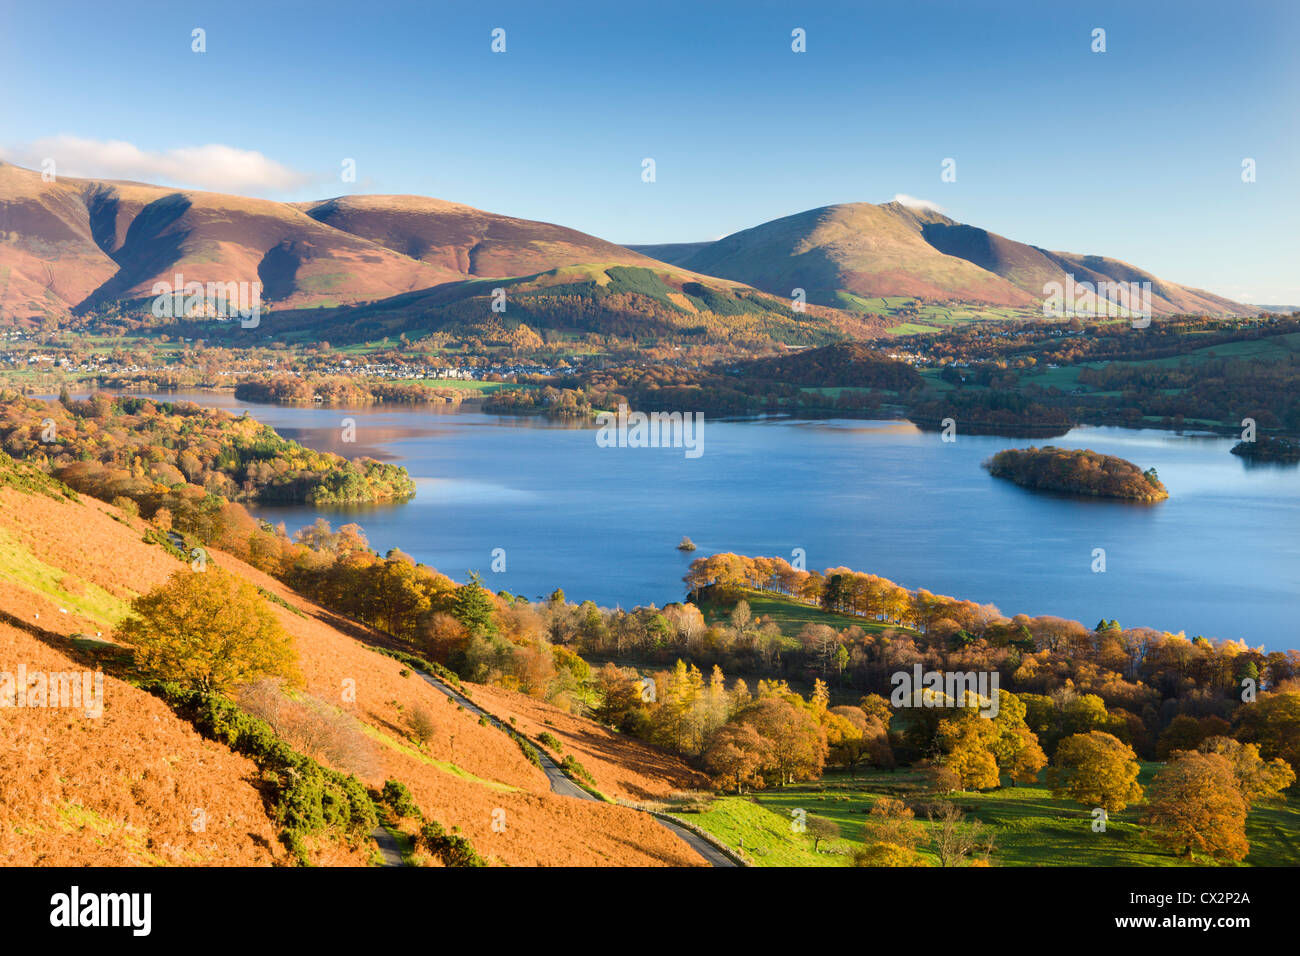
x=1096, y=769
x=208, y=630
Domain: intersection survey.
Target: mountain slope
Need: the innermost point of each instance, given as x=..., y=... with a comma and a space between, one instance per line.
x=858, y=248
x=357, y=267
x=837, y=253
x=654, y=304
x=76, y=244
x=674, y=253
x=463, y=240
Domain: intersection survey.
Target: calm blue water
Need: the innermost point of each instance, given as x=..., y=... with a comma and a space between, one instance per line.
x=1221, y=557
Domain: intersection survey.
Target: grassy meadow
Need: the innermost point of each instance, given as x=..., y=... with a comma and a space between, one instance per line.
x=1029, y=827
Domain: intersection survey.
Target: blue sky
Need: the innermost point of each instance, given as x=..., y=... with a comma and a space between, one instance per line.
x=1135, y=152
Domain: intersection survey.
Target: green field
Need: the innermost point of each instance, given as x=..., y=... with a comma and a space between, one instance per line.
x=790, y=615
x=1029, y=828
x=468, y=385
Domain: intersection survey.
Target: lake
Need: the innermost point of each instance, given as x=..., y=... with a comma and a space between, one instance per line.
x=1221, y=557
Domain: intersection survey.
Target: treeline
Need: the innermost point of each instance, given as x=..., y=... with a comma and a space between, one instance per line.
x=1141, y=678
x=1267, y=448
x=780, y=384
x=342, y=390
x=745, y=740
x=1026, y=344
x=844, y=364
x=987, y=412
x=1077, y=471
x=1219, y=389
x=1130, y=387
x=158, y=453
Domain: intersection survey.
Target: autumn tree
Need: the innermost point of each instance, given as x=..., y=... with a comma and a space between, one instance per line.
x=798, y=744
x=967, y=741
x=892, y=822
x=1273, y=722
x=1186, y=733
x=736, y=756
x=1195, y=807
x=1016, y=748
x=1096, y=769
x=886, y=855
x=619, y=696
x=1257, y=779
x=209, y=630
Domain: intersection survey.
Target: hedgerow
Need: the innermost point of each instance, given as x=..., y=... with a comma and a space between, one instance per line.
x=451, y=849
x=307, y=798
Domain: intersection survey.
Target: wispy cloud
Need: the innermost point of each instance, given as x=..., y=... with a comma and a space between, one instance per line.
x=213, y=166
x=911, y=202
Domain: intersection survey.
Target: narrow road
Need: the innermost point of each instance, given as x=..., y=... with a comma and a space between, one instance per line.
x=703, y=847
x=561, y=784
x=389, y=850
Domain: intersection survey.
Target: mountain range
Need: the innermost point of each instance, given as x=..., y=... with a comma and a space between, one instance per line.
x=410, y=263
x=846, y=254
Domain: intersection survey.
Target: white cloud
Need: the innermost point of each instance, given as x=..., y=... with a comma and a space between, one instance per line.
x=911, y=202
x=214, y=166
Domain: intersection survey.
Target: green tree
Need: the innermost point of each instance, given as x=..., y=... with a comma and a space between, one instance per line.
x=473, y=606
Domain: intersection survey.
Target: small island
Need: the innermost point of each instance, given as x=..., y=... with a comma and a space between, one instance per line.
x=1077, y=471
x=1268, y=449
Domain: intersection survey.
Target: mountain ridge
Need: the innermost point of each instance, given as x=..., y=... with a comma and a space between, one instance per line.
x=845, y=252
x=74, y=246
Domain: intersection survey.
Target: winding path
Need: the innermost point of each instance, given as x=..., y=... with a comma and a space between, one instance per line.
x=561, y=784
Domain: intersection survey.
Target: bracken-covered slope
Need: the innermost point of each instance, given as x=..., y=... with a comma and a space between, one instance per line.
x=121, y=788
x=463, y=240
x=74, y=244
x=841, y=253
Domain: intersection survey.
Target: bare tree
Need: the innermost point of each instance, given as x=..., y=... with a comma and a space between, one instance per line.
x=954, y=838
